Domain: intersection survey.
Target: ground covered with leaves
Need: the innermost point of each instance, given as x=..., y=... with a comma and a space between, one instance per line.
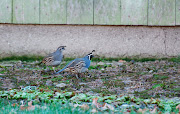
x=114, y=85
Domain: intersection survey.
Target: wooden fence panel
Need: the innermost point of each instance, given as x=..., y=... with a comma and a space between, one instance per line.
x=107, y=12
x=161, y=12
x=18, y=11
x=6, y=11
x=79, y=11
x=101, y=12
x=53, y=11
x=177, y=12
x=134, y=12
x=31, y=11
x=26, y=11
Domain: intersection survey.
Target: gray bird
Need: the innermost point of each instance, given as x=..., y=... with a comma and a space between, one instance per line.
x=54, y=59
x=78, y=65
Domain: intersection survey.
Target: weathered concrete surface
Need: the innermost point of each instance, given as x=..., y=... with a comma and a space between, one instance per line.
x=109, y=41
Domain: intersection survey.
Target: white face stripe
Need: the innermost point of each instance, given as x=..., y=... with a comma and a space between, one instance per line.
x=89, y=56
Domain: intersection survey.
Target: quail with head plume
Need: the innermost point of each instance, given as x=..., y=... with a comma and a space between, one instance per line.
x=78, y=65
x=54, y=59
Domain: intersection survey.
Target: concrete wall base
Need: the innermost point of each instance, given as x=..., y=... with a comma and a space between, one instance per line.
x=108, y=41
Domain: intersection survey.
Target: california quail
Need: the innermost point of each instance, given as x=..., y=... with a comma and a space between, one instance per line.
x=54, y=59
x=78, y=65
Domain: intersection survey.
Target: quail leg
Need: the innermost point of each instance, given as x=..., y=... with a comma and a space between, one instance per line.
x=77, y=76
x=54, y=69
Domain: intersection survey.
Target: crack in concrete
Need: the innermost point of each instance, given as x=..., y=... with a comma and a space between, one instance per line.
x=165, y=37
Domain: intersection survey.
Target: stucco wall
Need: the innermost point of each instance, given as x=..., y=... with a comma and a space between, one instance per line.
x=109, y=41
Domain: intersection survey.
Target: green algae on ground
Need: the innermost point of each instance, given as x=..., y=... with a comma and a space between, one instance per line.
x=48, y=97
x=135, y=58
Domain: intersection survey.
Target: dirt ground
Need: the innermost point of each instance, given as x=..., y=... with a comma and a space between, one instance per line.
x=158, y=78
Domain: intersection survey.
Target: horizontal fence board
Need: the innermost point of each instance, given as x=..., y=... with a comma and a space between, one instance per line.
x=5, y=11
x=53, y=11
x=107, y=12
x=26, y=11
x=134, y=12
x=79, y=11
x=177, y=12
x=161, y=12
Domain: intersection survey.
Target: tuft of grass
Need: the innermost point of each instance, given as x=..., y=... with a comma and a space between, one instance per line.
x=96, y=59
x=158, y=85
x=105, y=59
x=68, y=59
x=126, y=59
x=114, y=83
x=143, y=94
x=160, y=77
x=22, y=58
x=136, y=59
x=177, y=89
x=175, y=59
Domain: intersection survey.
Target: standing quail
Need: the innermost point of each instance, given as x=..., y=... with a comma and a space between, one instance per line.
x=54, y=59
x=78, y=65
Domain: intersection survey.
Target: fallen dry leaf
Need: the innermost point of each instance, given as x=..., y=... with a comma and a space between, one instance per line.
x=30, y=106
x=107, y=106
x=125, y=111
x=95, y=103
x=76, y=105
x=178, y=107
x=154, y=111
x=94, y=110
x=15, y=104
x=121, y=61
x=103, y=107
x=84, y=106
x=142, y=111
x=22, y=107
